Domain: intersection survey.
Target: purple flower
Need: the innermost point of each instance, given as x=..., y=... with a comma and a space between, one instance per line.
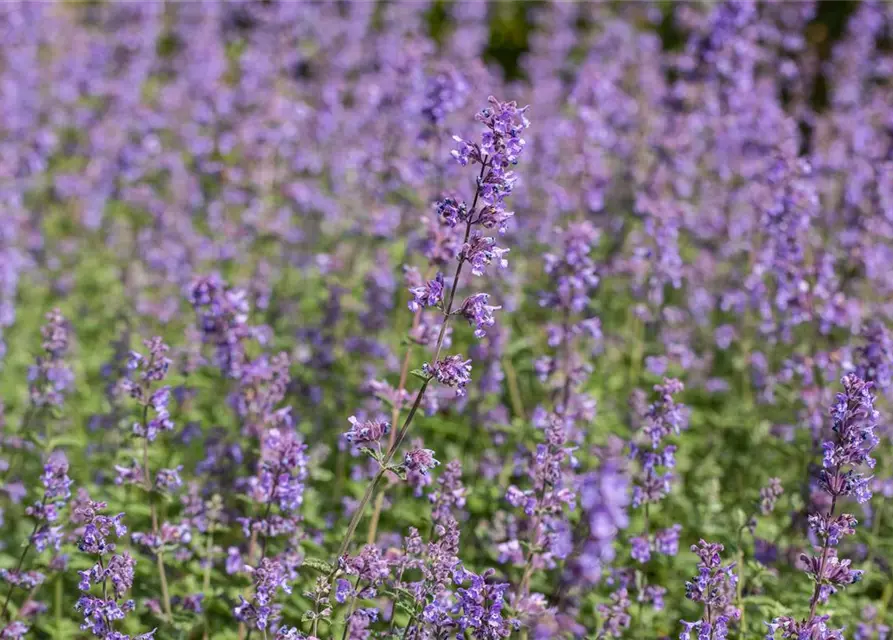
x=714, y=588
x=450, y=212
x=429, y=294
x=480, y=604
x=480, y=251
x=269, y=577
x=234, y=563
x=223, y=321
x=420, y=460
x=169, y=479
x=55, y=479
x=51, y=378
x=640, y=549
x=100, y=614
x=14, y=631
x=615, y=616
x=604, y=498
x=478, y=313
x=769, y=495
x=666, y=541
x=367, y=430
x=445, y=92
x=854, y=421
x=451, y=371
x=343, y=590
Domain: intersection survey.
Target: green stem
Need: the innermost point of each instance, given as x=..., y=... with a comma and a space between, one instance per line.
x=739, y=587
x=58, y=606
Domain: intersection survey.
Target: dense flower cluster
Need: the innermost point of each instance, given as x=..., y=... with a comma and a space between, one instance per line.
x=112, y=575
x=713, y=588
x=854, y=420
x=419, y=371
x=51, y=377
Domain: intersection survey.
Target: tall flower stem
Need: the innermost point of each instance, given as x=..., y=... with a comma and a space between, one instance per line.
x=159, y=555
x=565, y=398
x=398, y=439
x=19, y=567
x=57, y=605
x=395, y=415
x=739, y=587
x=206, y=579
x=351, y=608
x=826, y=549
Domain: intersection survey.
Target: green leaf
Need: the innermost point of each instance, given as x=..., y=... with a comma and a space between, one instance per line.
x=320, y=565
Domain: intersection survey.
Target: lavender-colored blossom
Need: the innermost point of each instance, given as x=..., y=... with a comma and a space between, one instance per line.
x=429, y=294
x=769, y=495
x=604, y=498
x=51, y=377
x=451, y=371
x=714, y=588
x=367, y=430
x=854, y=421
x=223, y=320
x=420, y=460
x=480, y=251
x=478, y=313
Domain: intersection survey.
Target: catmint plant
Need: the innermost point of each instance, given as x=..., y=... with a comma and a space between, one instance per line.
x=498, y=150
x=105, y=584
x=45, y=534
x=153, y=402
x=854, y=420
x=714, y=589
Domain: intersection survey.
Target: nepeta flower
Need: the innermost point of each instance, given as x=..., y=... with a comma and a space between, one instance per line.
x=100, y=614
x=450, y=212
x=223, y=321
x=169, y=479
x=604, y=498
x=14, y=631
x=420, y=460
x=269, y=578
x=480, y=251
x=479, y=606
x=366, y=431
x=283, y=470
x=615, y=616
x=449, y=496
x=51, y=377
x=714, y=588
x=445, y=92
x=451, y=371
x=854, y=421
x=769, y=495
x=478, y=313
x=429, y=294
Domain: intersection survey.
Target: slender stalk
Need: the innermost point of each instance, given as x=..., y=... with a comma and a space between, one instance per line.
x=370, y=489
x=826, y=549
x=562, y=409
x=395, y=415
x=263, y=551
x=19, y=567
x=410, y=626
x=739, y=587
x=159, y=556
x=514, y=390
x=398, y=440
x=351, y=608
x=57, y=605
x=206, y=580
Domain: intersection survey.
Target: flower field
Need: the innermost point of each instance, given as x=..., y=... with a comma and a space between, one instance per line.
x=446, y=319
